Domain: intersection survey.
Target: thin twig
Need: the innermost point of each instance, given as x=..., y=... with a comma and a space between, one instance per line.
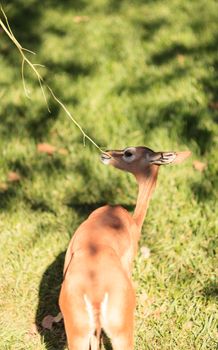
x=10, y=34
x=85, y=136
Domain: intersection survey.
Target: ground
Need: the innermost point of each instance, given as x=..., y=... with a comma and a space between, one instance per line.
x=132, y=73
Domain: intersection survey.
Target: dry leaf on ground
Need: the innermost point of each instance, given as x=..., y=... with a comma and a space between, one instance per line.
x=46, y=148
x=63, y=151
x=181, y=59
x=3, y=187
x=199, y=166
x=79, y=19
x=213, y=105
x=47, y=322
x=188, y=325
x=13, y=176
x=58, y=318
x=145, y=252
x=143, y=298
x=157, y=312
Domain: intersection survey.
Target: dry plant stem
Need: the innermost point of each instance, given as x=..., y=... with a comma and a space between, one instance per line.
x=10, y=34
x=24, y=58
x=85, y=136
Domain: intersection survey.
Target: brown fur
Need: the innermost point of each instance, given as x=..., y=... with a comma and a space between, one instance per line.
x=98, y=263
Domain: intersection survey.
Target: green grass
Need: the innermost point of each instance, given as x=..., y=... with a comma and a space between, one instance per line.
x=136, y=73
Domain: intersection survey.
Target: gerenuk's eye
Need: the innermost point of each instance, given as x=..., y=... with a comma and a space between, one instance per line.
x=128, y=154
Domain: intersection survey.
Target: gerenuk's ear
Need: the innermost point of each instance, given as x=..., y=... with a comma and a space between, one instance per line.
x=181, y=156
x=162, y=158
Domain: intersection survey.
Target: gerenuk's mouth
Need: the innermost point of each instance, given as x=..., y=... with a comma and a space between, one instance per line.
x=105, y=158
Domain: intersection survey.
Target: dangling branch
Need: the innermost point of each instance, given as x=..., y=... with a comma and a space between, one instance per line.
x=25, y=60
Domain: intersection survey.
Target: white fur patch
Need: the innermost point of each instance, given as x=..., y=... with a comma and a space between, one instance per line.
x=89, y=309
x=104, y=304
x=105, y=158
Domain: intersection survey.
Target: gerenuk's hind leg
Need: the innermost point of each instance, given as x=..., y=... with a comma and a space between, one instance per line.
x=119, y=318
x=76, y=320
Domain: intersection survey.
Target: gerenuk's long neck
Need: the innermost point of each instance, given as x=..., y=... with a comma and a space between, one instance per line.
x=146, y=183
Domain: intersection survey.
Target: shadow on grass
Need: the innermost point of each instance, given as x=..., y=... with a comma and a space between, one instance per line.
x=189, y=122
x=39, y=125
x=202, y=191
x=82, y=5
x=40, y=163
x=35, y=124
x=68, y=4
x=49, y=291
x=169, y=53
x=74, y=69
x=8, y=196
x=11, y=192
x=210, y=291
x=24, y=19
x=39, y=205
